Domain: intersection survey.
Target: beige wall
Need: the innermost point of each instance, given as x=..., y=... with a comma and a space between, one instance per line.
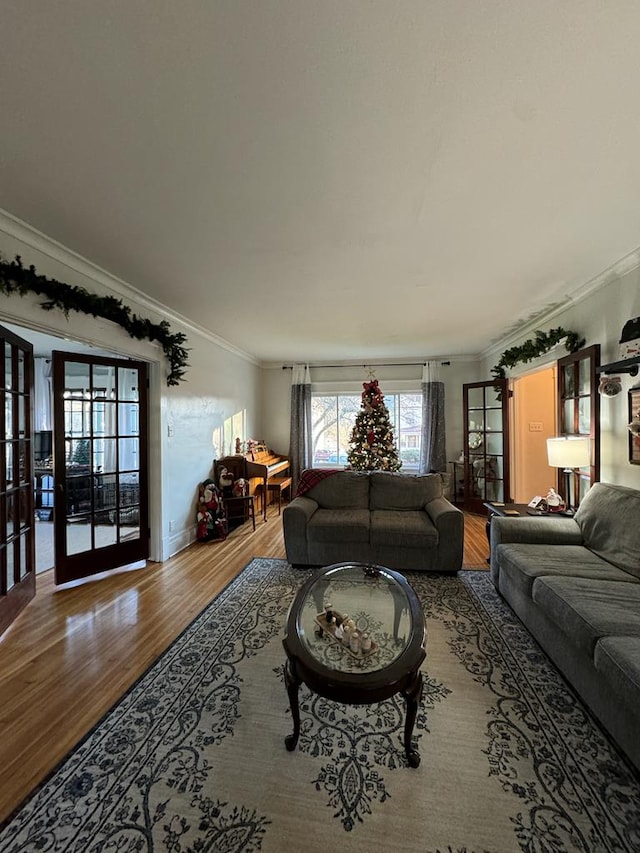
x=534, y=420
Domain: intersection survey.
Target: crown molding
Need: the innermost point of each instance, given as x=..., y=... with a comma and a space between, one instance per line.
x=20, y=230
x=617, y=270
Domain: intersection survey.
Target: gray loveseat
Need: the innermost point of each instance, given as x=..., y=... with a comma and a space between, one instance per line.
x=575, y=583
x=395, y=520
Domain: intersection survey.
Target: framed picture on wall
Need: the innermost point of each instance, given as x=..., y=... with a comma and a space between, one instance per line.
x=634, y=426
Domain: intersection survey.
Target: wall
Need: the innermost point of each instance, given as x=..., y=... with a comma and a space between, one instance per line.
x=276, y=391
x=599, y=317
x=221, y=382
x=534, y=405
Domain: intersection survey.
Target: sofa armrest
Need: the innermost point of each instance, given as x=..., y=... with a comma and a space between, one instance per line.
x=295, y=517
x=531, y=531
x=449, y=522
x=535, y=531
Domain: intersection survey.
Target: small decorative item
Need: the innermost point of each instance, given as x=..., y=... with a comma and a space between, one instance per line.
x=240, y=488
x=630, y=339
x=610, y=386
x=555, y=503
x=353, y=642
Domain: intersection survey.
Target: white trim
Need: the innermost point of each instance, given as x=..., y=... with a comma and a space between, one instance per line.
x=618, y=269
x=19, y=230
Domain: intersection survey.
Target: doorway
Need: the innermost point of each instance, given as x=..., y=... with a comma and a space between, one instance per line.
x=533, y=415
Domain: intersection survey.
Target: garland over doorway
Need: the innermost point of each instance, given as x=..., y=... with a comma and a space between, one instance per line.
x=535, y=347
x=15, y=278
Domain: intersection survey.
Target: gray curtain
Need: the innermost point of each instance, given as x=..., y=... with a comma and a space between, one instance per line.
x=433, y=454
x=300, y=435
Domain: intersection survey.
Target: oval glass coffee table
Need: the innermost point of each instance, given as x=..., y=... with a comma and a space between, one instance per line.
x=383, y=605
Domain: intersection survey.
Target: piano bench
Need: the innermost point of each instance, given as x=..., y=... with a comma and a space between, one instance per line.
x=279, y=485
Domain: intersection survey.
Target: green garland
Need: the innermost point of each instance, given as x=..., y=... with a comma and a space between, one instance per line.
x=14, y=278
x=533, y=348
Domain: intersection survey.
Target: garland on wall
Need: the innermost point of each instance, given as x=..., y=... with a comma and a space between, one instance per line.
x=15, y=278
x=535, y=347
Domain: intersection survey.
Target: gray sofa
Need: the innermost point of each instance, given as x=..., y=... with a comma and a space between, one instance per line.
x=575, y=583
x=395, y=520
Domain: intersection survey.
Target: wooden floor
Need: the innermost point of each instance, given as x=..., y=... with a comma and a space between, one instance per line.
x=76, y=649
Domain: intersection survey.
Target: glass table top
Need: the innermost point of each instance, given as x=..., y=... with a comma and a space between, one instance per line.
x=376, y=602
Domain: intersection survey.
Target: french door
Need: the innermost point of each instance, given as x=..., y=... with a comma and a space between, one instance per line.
x=100, y=464
x=486, y=444
x=579, y=414
x=17, y=550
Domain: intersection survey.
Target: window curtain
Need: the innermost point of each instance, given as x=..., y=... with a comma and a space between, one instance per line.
x=300, y=435
x=43, y=394
x=433, y=456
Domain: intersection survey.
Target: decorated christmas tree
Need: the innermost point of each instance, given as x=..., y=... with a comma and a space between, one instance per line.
x=372, y=446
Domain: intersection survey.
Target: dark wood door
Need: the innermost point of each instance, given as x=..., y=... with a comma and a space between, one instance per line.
x=486, y=444
x=17, y=547
x=100, y=464
x=579, y=414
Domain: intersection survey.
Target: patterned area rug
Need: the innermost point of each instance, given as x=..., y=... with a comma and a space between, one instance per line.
x=193, y=757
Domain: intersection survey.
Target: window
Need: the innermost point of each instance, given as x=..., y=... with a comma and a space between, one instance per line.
x=333, y=417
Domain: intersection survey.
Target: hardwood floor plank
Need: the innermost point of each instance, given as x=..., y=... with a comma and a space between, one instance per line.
x=76, y=649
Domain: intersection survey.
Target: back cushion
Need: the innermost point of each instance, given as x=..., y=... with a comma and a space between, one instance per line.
x=402, y=491
x=609, y=518
x=342, y=490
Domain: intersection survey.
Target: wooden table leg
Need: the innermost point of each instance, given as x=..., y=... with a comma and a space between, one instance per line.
x=292, y=683
x=412, y=696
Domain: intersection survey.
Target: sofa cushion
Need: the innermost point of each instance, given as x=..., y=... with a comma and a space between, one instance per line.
x=608, y=517
x=522, y=563
x=344, y=489
x=404, y=528
x=587, y=610
x=618, y=659
x=338, y=525
x=402, y=492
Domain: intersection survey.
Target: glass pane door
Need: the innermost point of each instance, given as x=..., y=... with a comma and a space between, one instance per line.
x=579, y=414
x=17, y=548
x=100, y=463
x=486, y=444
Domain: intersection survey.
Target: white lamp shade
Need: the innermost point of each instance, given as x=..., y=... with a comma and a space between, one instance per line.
x=572, y=451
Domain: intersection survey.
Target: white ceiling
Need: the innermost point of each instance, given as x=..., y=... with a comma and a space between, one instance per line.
x=330, y=179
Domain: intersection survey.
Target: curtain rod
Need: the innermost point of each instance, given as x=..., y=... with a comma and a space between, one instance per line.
x=366, y=366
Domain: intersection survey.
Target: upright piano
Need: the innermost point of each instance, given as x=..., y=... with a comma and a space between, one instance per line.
x=257, y=466
x=263, y=464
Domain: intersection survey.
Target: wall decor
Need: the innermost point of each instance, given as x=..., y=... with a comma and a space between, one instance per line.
x=610, y=386
x=634, y=426
x=630, y=339
x=15, y=278
x=535, y=347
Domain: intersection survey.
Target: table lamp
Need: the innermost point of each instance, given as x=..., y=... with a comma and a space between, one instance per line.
x=569, y=452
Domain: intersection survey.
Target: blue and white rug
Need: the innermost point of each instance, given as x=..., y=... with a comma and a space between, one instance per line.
x=192, y=759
